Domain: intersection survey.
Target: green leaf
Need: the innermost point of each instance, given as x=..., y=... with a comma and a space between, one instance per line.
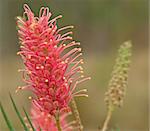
x=18, y=114
x=29, y=120
x=6, y=118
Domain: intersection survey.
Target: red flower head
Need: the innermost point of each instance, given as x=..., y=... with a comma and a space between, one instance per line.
x=50, y=72
x=46, y=122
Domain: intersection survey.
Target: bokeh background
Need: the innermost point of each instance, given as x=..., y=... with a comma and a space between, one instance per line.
x=101, y=26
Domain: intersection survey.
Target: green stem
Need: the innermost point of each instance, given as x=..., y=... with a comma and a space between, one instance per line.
x=58, y=123
x=108, y=117
x=76, y=114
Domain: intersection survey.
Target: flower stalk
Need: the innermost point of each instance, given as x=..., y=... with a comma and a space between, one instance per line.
x=58, y=123
x=108, y=117
x=76, y=114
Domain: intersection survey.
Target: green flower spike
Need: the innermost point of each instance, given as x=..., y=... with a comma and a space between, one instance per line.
x=118, y=83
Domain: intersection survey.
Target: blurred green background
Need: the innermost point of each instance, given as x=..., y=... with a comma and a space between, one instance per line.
x=101, y=26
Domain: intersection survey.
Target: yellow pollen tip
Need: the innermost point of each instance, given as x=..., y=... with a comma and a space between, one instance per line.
x=86, y=90
x=66, y=61
x=89, y=78
x=30, y=97
x=81, y=72
x=49, y=116
x=79, y=49
x=68, y=37
x=47, y=57
x=37, y=67
x=82, y=76
x=29, y=56
x=60, y=16
x=18, y=53
x=64, y=44
x=18, y=88
x=19, y=70
x=42, y=67
x=86, y=95
x=41, y=99
x=80, y=68
x=46, y=80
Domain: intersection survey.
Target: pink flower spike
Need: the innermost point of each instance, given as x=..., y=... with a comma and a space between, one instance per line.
x=50, y=72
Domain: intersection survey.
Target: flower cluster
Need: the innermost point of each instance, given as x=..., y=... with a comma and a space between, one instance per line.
x=51, y=71
x=118, y=83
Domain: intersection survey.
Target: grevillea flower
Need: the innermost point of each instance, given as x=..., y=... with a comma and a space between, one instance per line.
x=51, y=72
x=43, y=121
